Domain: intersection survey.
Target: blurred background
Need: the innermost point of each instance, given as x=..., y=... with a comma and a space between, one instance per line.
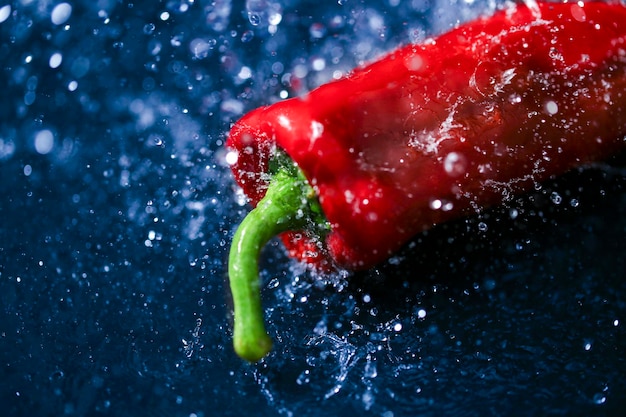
x=117, y=209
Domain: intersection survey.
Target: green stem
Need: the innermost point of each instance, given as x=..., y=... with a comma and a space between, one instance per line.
x=286, y=206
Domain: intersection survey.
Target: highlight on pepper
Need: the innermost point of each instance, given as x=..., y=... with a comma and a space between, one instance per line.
x=431, y=132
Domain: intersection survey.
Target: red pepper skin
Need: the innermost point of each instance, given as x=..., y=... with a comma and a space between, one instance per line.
x=441, y=130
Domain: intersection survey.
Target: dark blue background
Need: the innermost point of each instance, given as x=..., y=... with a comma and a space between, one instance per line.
x=113, y=241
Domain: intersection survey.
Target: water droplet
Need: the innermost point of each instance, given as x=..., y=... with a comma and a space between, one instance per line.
x=5, y=12
x=303, y=378
x=372, y=217
x=29, y=98
x=414, y=63
x=254, y=19
x=55, y=60
x=482, y=226
x=599, y=398
x=317, y=30
x=551, y=107
x=368, y=399
x=455, y=164
x=57, y=375
x=318, y=64
x=556, y=198
x=200, y=48
x=7, y=148
x=61, y=13
x=334, y=390
x=435, y=204
x=176, y=41
x=231, y=157
x=149, y=28
x=44, y=141
x=321, y=327
x=275, y=18
x=245, y=73
x=247, y=36
x=555, y=54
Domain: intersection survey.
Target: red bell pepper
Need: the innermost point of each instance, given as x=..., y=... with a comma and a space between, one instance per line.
x=350, y=172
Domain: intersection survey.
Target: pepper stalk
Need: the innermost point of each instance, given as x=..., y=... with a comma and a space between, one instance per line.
x=290, y=203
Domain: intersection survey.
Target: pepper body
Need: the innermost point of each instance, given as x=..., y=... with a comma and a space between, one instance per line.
x=443, y=129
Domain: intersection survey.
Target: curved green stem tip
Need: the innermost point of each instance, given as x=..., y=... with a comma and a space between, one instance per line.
x=289, y=204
